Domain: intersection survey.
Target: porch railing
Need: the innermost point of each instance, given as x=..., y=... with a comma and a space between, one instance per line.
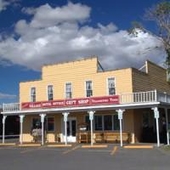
x=126, y=98
x=10, y=107
x=138, y=97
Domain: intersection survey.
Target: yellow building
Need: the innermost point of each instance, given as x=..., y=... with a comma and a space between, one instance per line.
x=78, y=101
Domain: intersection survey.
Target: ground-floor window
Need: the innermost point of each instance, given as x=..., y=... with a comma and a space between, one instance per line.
x=36, y=123
x=104, y=122
x=50, y=124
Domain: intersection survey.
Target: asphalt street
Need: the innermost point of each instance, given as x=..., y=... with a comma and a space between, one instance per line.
x=78, y=158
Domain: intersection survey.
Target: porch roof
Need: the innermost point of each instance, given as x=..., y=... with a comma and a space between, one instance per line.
x=134, y=100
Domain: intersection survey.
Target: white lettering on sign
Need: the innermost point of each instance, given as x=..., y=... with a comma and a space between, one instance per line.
x=71, y=102
x=83, y=101
x=99, y=100
x=113, y=99
x=35, y=105
x=46, y=104
x=58, y=103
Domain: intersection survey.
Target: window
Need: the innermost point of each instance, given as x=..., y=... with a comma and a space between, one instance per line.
x=50, y=124
x=116, y=122
x=89, y=91
x=111, y=86
x=68, y=91
x=98, y=122
x=105, y=122
x=50, y=92
x=87, y=121
x=108, y=122
x=33, y=94
x=36, y=123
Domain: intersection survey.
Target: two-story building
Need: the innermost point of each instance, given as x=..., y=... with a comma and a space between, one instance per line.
x=78, y=101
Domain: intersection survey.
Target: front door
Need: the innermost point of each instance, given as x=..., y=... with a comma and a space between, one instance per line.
x=71, y=130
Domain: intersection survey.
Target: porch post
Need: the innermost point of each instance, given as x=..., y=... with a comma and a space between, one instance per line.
x=65, y=114
x=21, y=128
x=42, y=128
x=167, y=132
x=156, y=115
x=3, y=131
x=120, y=117
x=91, y=117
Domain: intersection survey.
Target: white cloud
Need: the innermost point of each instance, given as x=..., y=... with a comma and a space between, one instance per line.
x=62, y=33
x=7, y=96
x=53, y=16
x=5, y=3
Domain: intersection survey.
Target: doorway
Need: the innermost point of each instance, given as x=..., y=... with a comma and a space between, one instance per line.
x=71, y=130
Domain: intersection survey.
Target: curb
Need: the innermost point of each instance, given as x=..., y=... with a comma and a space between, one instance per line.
x=138, y=147
x=59, y=146
x=7, y=144
x=94, y=146
x=29, y=145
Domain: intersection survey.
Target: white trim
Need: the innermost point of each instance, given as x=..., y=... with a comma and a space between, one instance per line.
x=47, y=91
x=91, y=86
x=65, y=96
x=107, y=85
x=31, y=93
x=84, y=108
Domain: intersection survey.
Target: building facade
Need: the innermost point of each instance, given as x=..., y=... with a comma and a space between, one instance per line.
x=78, y=101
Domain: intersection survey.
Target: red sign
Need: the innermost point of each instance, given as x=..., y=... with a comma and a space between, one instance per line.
x=106, y=100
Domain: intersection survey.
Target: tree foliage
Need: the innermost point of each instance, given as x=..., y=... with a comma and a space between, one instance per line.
x=160, y=14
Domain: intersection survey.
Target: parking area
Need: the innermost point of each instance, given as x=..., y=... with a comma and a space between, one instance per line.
x=76, y=157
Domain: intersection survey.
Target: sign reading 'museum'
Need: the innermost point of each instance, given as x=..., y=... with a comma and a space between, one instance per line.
x=108, y=100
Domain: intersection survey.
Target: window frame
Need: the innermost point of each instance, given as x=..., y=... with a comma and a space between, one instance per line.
x=36, y=123
x=103, y=122
x=33, y=95
x=48, y=97
x=68, y=92
x=87, y=89
x=108, y=86
x=47, y=123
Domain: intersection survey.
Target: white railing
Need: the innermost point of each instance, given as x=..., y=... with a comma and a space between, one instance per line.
x=127, y=98
x=138, y=97
x=163, y=97
x=11, y=107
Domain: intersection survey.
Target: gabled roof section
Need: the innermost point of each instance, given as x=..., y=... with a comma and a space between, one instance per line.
x=148, y=66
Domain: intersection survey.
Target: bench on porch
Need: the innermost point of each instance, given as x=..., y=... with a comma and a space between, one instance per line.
x=115, y=137
x=105, y=137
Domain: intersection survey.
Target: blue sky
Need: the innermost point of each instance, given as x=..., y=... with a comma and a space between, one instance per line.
x=38, y=32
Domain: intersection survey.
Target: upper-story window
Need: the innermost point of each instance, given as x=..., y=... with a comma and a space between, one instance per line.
x=68, y=91
x=50, y=92
x=111, y=86
x=89, y=90
x=33, y=94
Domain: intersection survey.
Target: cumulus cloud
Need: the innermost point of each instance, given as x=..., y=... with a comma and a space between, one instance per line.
x=59, y=34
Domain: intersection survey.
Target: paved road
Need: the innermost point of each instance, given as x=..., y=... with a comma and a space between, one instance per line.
x=77, y=158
